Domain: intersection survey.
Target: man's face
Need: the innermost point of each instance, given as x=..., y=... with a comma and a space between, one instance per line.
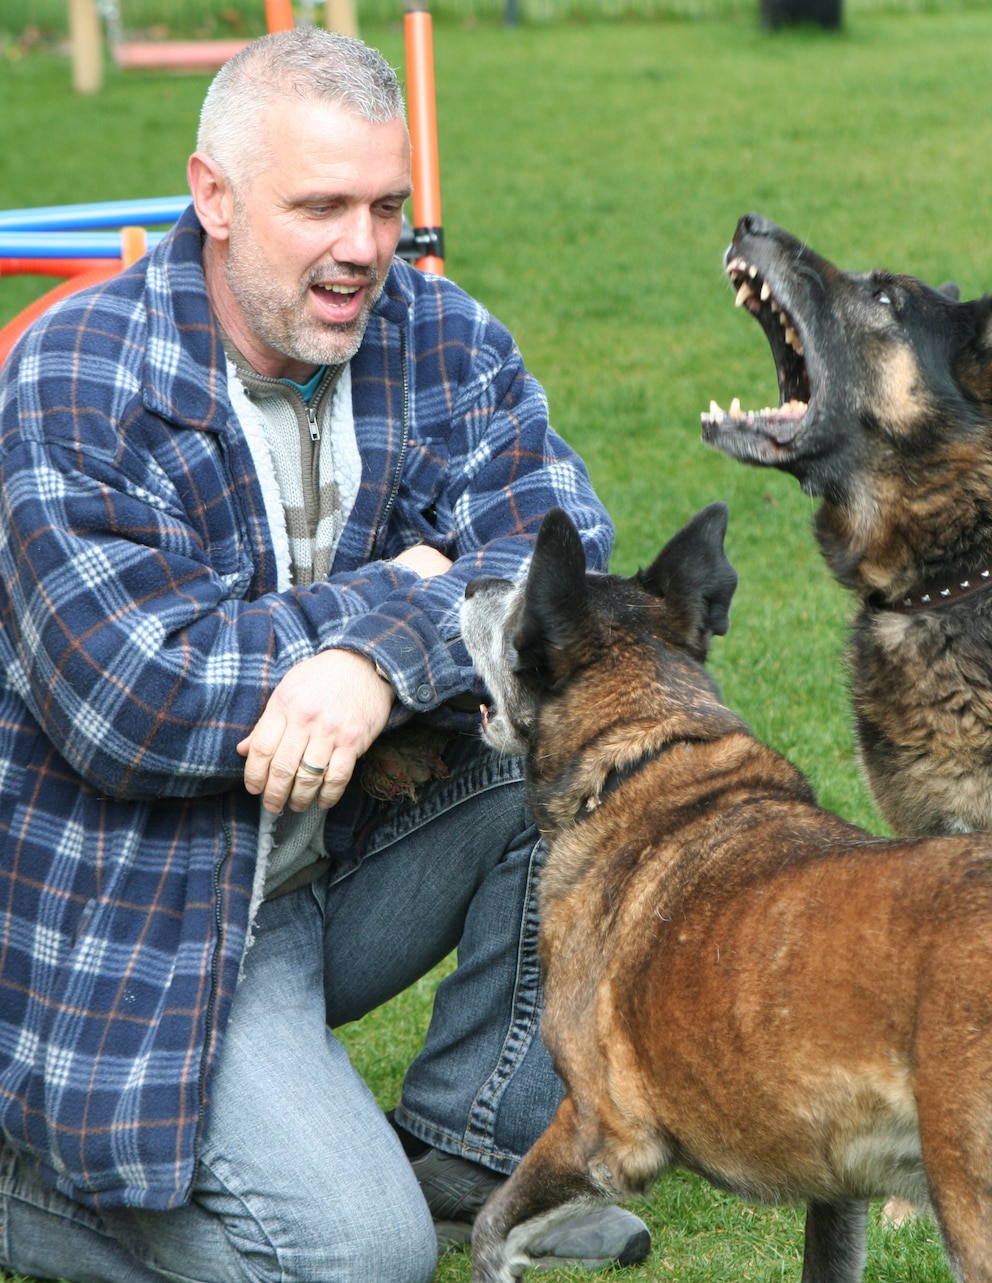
x=312, y=235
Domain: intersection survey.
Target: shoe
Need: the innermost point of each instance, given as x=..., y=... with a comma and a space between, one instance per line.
x=456, y=1189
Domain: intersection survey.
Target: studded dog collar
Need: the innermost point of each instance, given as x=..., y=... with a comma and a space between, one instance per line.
x=941, y=595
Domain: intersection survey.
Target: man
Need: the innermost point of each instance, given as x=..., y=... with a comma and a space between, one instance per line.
x=241, y=799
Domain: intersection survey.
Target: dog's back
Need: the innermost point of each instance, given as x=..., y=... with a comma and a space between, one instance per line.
x=776, y=991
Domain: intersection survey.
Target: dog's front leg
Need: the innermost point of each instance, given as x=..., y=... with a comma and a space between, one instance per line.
x=835, y=1242
x=550, y=1184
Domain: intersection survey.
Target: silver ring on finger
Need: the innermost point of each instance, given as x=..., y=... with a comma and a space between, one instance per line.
x=312, y=770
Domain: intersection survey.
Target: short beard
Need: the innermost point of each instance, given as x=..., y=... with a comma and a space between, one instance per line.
x=278, y=317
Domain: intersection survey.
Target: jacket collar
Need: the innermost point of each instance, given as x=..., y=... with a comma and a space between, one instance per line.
x=185, y=373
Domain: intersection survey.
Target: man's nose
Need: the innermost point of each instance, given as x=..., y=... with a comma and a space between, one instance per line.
x=356, y=242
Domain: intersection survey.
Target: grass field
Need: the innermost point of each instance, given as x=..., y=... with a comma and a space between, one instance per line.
x=592, y=175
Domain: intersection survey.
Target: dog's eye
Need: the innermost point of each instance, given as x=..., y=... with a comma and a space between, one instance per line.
x=882, y=296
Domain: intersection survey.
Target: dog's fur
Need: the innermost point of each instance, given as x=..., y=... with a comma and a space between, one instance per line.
x=886, y=392
x=736, y=981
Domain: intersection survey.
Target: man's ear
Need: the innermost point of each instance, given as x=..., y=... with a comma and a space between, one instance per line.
x=554, y=610
x=213, y=197
x=695, y=579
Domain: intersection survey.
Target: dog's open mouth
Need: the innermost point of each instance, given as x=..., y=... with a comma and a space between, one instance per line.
x=781, y=424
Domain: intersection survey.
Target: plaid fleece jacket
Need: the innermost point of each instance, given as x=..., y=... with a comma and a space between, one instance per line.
x=142, y=633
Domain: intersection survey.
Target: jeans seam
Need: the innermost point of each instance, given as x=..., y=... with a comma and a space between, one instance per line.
x=526, y=1006
x=477, y=1142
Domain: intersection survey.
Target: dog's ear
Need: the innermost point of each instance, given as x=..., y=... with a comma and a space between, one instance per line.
x=974, y=364
x=695, y=579
x=555, y=600
x=951, y=290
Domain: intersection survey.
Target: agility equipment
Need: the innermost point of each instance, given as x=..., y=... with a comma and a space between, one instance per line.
x=87, y=243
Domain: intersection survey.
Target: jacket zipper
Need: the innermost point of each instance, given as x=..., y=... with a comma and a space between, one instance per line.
x=211, y=1012
x=404, y=439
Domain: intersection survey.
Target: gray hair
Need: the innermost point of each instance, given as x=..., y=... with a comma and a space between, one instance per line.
x=307, y=63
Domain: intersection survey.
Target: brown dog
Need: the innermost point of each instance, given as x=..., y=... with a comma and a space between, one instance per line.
x=736, y=980
x=885, y=413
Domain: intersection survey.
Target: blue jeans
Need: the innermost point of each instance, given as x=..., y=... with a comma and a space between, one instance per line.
x=300, y=1175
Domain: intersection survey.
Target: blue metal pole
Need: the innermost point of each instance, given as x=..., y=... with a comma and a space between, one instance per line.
x=120, y=213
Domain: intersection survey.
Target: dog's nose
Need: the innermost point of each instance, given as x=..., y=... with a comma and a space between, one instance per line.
x=479, y=583
x=754, y=225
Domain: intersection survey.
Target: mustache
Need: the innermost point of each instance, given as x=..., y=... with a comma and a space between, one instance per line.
x=343, y=272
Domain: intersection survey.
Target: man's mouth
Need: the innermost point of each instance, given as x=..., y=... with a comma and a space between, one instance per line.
x=339, y=301
x=782, y=422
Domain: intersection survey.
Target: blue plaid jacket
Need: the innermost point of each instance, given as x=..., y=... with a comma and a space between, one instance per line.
x=142, y=634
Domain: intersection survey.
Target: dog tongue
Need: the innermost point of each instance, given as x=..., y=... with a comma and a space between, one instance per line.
x=484, y=710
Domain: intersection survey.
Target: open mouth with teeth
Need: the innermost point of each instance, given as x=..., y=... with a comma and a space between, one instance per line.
x=338, y=301
x=779, y=424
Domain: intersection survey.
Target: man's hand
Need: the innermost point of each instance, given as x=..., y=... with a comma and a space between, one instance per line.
x=324, y=713
x=423, y=560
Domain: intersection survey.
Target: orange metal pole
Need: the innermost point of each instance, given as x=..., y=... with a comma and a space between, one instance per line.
x=427, y=228
x=279, y=15
x=134, y=242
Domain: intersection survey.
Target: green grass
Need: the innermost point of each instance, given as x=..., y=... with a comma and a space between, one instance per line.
x=592, y=175
x=47, y=20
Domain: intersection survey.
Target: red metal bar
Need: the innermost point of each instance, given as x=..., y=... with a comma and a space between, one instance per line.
x=54, y=266
x=12, y=331
x=176, y=55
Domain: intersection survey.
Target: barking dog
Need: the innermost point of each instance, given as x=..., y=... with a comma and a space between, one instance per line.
x=885, y=412
x=736, y=981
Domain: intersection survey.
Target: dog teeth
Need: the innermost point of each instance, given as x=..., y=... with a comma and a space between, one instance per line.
x=745, y=292
x=745, y=277
x=792, y=409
